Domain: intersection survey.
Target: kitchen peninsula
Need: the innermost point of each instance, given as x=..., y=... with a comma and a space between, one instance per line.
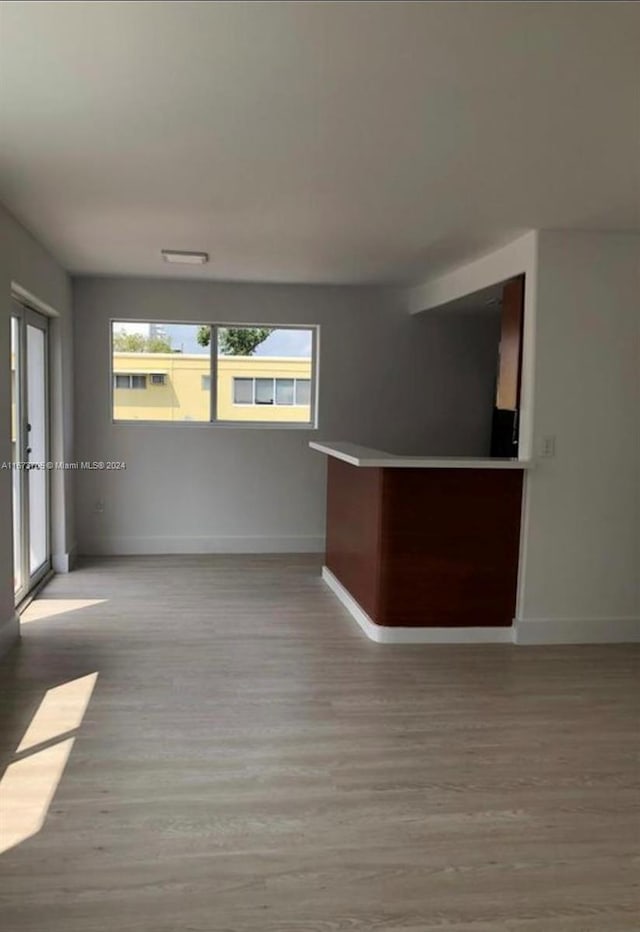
x=423, y=549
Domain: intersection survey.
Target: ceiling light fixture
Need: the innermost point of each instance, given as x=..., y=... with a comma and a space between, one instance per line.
x=179, y=257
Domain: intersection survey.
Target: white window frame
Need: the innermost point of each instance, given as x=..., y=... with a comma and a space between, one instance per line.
x=214, y=421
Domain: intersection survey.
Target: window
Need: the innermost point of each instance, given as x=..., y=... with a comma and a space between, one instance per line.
x=271, y=391
x=242, y=391
x=129, y=381
x=303, y=391
x=216, y=373
x=169, y=360
x=264, y=391
x=284, y=391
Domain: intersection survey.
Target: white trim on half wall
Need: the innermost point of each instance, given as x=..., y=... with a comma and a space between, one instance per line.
x=384, y=634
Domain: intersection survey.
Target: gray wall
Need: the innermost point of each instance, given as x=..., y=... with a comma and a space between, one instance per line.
x=419, y=385
x=24, y=262
x=580, y=560
x=581, y=574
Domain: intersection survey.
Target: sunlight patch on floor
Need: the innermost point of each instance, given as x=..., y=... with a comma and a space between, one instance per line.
x=61, y=710
x=47, y=608
x=26, y=791
x=29, y=784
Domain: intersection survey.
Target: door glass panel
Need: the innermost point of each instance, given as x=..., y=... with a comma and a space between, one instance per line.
x=37, y=444
x=16, y=455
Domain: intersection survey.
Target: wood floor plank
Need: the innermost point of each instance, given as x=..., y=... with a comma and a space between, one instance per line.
x=249, y=762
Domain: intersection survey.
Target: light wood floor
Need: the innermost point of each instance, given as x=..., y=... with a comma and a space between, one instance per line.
x=249, y=762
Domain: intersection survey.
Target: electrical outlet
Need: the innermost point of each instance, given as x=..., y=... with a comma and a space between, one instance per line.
x=548, y=447
x=99, y=506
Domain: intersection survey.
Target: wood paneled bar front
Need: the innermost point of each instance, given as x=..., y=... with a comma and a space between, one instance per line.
x=423, y=548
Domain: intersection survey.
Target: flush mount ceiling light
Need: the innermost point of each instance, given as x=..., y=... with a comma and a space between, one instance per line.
x=179, y=257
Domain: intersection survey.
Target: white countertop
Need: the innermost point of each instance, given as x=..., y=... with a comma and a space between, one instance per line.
x=365, y=456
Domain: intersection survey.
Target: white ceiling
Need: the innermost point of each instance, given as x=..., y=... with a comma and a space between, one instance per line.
x=321, y=142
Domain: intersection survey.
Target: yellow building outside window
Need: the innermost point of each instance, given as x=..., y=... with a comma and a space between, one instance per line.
x=176, y=387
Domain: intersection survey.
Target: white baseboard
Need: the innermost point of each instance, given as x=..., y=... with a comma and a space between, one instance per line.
x=63, y=562
x=129, y=546
x=9, y=633
x=383, y=634
x=577, y=631
x=523, y=632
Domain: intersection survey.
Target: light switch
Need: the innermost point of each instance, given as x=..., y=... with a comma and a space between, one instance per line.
x=548, y=446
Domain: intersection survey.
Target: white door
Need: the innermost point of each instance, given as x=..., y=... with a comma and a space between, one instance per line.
x=30, y=448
